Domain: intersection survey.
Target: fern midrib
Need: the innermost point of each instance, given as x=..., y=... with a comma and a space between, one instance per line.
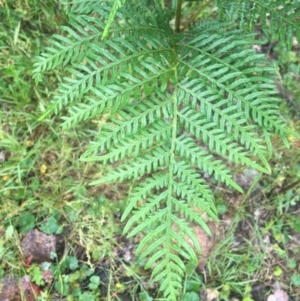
x=159, y=157
x=156, y=29
x=45, y=60
x=192, y=215
x=244, y=133
x=93, y=106
x=169, y=202
x=143, y=190
x=238, y=96
x=228, y=65
x=127, y=147
x=152, y=202
x=67, y=48
x=206, y=161
x=278, y=13
x=196, y=182
x=228, y=146
x=84, y=79
x=116, y=129
x=212, y=57
x=223, y=62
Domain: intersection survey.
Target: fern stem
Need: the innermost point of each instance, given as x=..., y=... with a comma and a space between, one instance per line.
x=178, y=16
x=169, y=202
x=195, y=15
x=174, y=134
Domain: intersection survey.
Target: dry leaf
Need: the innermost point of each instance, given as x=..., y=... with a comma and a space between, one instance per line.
x=212, y=294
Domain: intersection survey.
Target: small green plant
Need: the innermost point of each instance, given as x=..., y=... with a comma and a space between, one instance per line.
x=177, y=100
x=68, y=278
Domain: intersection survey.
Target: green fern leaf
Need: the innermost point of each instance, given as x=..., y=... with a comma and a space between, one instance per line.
x=279, y=19
x=175, y=110
x=116, y=5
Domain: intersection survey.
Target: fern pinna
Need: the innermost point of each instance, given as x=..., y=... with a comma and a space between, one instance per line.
x=175, y=105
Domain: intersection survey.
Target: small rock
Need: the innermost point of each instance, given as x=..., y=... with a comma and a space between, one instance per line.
x=246, y=178
x=37, y=246
x=13, y=289
x=10, y=290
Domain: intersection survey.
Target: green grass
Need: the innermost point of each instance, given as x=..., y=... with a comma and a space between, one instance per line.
x=44, y=185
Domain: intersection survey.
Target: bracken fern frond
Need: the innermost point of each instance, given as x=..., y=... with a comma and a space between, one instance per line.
x=170, y=105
